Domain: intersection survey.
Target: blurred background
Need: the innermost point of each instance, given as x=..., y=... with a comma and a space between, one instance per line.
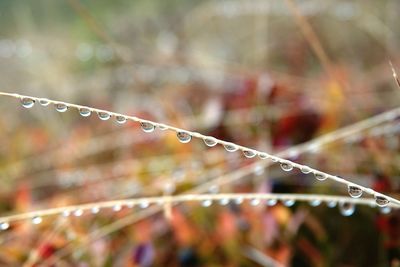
x=264, y=74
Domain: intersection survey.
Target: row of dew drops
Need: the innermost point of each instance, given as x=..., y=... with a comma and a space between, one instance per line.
x=346, y=208
x=185, y=137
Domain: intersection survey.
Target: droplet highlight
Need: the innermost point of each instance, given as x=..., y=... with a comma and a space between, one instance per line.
x=272, y=202
x=4, y=226
x=315, y=203
x=347, y=209
x=289, y=202
x=206, y=203
x=37, y=220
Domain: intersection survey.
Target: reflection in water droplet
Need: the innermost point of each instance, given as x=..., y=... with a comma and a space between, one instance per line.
x=381, y=201
x=263, y=155
x=347, y=209
x=231, y=147
x=44, y=102
x=286, y=166
x=354, y=191
x=61, y=107
x=103, y=115
x=320, y=176
x=27, y=102
x=305, y=169
x=210, y=141
x=120, y=119
x=85, y=112
x=249, y=154
x=147, y=126
x=184, y=137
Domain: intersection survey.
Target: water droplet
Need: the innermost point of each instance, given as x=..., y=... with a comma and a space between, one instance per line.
x=381, y=201
x=66, y=213
x=255, y=202
x=184, y=137
x=144, y=204
x=249, y=154
x=272, y=202
x=286, y=166
x=347, y=209
x=61, y=107
x=331, y=204
x=169, y=188
x=230, y=147
x=385, y=210
x=78, y=213
x=354, y=191
x=263, y=155
x=214, y=189
x=274, y=159
x=147, y=127
x=117, y=208
x=209, y=141
x=258, y=170
x=288, y=202
x=305, y=169
x=162, y=127
x=239, y=200
x=95, y=210
x=315, y=202
x=120, y=119
x=85, y=112
x=44, y=102
x=37, y=220
x=103, y=115
x=27, y=102
x=320, y=176
x=4, y=226
x=224, y=201
x=206, y=203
